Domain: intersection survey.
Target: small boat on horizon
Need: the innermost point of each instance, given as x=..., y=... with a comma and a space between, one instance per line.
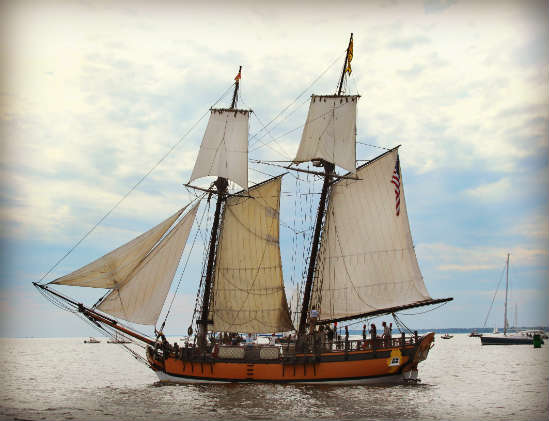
x=447, y=336
x=92, y=341
x=475, y=334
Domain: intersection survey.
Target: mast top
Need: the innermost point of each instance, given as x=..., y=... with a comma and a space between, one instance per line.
x=346, y=64
x=236, y=84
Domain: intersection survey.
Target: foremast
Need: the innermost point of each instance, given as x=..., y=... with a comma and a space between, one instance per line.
x=329, y=168
x=220, y=185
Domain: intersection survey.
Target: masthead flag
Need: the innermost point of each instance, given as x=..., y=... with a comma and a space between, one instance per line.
x=395, y=179
x=349, y=56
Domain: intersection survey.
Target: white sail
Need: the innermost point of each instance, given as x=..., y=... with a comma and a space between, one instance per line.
x=224, y=148
x=113, y=269
x=141, y=299
x=248, y=292
x=367, y=260
x=330, y=131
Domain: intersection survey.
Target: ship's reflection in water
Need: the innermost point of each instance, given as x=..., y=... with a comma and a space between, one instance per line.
x=62, y=379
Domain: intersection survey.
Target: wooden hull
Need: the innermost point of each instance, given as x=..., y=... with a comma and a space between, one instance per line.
x=338, y=367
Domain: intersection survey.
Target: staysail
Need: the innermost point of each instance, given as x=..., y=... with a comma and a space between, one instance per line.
x=248, y=294
x=367, y=260
x=224, y=148
x=139, y=277
x=330, y=131
x=113, y=269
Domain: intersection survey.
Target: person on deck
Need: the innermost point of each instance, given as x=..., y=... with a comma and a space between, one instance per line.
x=364, y=333
x=386, y=334
x=330, y=337
x=373, y=335
x=346, y=338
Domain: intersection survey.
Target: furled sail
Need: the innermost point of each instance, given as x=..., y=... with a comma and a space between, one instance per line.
x=248, y=292
x=330, y=131
x=142, y=297
x=367, y=260
x=224, y=148
x=113, y=269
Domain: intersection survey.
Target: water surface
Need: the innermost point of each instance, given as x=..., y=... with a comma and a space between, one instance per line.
x=65, y=379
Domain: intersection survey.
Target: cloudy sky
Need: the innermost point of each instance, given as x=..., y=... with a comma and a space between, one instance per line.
x=95, y=94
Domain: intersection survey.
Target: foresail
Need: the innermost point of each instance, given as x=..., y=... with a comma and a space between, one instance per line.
x=367, y=260
x=224, y=148
x=141, y=299
x=330, y=131
x=248, y=293
x=113, y=269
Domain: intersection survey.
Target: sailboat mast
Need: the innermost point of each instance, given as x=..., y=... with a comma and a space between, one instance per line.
x=506, y=292
x=328, y=176
x=328, y=172
x=221, y=185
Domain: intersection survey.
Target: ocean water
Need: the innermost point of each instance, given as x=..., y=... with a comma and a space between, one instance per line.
x=65, y=379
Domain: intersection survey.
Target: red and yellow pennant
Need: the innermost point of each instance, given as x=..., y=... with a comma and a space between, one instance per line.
x=349, y=57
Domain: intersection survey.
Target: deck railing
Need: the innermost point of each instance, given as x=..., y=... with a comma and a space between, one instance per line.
x=313, y=344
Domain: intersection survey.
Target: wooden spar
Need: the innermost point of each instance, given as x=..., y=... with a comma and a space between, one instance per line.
x=344, y=66
x=386, y=310
x=215, y=191
x=322, y=174
x=337, y=176
x=329, y=169
x=235, y=94
x=221, y=185
x=92, y=314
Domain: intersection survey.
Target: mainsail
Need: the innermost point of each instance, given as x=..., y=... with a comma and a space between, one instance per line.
x=248, y=292
x=138, y=273
x=224, y=148
x=367, y=260
x=330, y=131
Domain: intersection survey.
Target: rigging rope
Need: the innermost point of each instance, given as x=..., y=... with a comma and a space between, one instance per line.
x=297, y=98
x=184, y=268
x=494, y=297
x=134, y=187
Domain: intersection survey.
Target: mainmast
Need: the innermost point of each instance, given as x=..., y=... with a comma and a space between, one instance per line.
x=221, y=186
x=328, y=177
x=506, y=292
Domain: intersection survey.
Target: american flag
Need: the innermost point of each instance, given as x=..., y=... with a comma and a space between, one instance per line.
x=396, y=181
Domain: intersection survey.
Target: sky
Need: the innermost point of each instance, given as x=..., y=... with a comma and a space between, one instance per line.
x=96, y=94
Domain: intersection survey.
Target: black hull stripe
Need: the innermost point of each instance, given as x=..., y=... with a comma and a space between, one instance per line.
x=216, y=379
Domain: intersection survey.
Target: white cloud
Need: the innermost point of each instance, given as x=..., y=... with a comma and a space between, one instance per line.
x=497, y=190
x=447, y=257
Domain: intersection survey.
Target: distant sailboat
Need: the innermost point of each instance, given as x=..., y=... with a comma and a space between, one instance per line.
x=362, y=264
x=505, y=338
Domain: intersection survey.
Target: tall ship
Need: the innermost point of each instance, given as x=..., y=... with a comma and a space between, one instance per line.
x=360, y=263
